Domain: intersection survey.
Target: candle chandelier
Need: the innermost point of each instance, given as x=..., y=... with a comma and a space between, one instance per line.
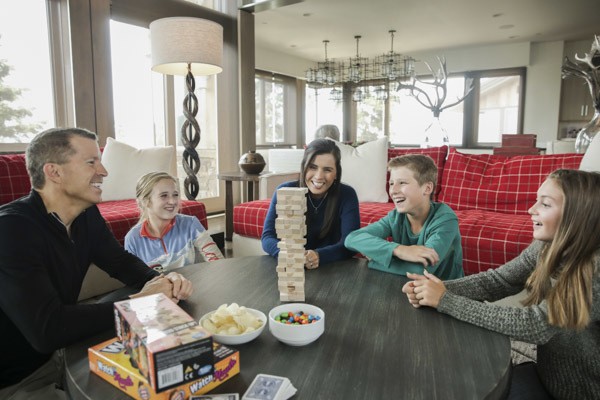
x=359, y=73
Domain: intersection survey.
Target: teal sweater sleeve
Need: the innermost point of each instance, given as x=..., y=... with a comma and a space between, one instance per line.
x=440, y=232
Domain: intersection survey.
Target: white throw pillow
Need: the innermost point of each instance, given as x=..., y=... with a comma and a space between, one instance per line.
x=364, y=168
x=126, y=164
x=591, y=158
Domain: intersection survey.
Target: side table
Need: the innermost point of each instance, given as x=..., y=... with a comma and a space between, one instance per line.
x=252, y=193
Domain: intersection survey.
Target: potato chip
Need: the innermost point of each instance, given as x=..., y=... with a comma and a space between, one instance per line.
x=231, y=320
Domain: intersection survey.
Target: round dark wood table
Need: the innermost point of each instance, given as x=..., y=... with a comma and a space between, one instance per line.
x=375, y=345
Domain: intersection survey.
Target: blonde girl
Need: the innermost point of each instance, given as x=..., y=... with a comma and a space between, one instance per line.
x=165, y=239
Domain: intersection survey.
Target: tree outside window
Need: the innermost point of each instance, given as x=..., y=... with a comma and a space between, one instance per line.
x=26, y=93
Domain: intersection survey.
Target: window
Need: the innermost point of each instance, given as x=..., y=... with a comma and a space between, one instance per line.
x=275, y=97
x=370, y=115
x=321, y=110
x=26, y=92
x=408, y=118
x=498, y=98
x=138, y=99
x=494, y=107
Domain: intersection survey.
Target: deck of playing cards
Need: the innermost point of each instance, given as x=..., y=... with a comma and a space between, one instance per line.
x=269, y=387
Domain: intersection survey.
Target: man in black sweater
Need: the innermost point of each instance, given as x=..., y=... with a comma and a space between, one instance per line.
x=49, y=239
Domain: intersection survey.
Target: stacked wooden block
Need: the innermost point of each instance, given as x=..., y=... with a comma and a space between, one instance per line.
x=291, y=231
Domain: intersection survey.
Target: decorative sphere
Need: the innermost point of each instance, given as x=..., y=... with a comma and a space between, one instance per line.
x=252, y=162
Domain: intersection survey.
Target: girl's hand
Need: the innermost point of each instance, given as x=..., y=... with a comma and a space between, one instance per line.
x=409, y=289
x=428, y=289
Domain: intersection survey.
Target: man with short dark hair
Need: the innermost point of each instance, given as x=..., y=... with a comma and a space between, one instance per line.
x=49, y=239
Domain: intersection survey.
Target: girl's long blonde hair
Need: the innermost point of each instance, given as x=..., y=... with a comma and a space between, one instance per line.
x=143, y=190
x=569, y=257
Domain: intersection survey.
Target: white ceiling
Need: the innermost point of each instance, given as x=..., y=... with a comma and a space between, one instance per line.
x=421, y=25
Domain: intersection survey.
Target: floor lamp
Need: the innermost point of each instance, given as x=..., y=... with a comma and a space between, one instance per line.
x=189, y=47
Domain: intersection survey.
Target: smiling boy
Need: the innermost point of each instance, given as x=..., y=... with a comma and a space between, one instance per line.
x=424, y=233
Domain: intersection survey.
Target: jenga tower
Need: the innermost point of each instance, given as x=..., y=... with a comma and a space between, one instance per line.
x=291, y=230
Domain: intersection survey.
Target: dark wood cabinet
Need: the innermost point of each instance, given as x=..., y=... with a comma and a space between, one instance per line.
x=575, y=100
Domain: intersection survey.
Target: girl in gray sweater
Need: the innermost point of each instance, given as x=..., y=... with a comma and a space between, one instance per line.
x=561, y=272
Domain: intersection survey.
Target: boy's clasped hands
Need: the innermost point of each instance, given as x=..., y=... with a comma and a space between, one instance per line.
x=424, y=290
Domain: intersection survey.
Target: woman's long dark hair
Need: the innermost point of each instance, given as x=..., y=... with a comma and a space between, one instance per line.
x=316, y=148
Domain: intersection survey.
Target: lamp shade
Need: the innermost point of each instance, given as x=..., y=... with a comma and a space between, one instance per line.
x=177, y=41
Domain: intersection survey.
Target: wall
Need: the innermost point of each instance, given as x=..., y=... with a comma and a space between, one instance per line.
x=543, y=61
x=542, y=96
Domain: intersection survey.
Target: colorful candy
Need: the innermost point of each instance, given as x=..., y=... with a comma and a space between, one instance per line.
x=299, y=318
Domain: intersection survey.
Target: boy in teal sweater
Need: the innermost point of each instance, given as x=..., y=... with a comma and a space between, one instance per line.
x=424, y=233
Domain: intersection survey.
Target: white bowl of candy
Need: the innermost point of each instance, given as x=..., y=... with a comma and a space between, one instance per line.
x=233, y=324
x=297, y=324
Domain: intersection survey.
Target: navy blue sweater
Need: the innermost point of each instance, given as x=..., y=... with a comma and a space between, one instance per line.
x=331, y=247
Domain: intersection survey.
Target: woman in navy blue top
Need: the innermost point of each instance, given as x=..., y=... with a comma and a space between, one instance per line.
x=332, y=207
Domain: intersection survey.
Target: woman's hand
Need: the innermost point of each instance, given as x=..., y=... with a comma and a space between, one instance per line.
x=424, y=290
x=311, y=259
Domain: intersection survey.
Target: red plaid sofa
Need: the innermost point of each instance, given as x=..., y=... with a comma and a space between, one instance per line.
x=120, y=215
x=489, y=193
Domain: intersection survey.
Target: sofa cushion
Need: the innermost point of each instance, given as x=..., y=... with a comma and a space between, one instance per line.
x=126, y=164
x=498, y=183
x=364, y=167
x=249, y=217
x=490, y=239
x=14, y=180
x=438, y=154
x=372, y=212
x=122, y=215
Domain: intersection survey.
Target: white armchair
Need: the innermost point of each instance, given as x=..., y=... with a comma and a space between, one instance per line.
x=268, y=182
x=284, y=165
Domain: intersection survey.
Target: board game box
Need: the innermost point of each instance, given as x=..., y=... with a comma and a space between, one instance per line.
x=164, y=343
x=109, y=361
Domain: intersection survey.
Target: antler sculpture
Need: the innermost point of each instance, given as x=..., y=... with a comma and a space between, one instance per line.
x=439, y=84
x=587, y=68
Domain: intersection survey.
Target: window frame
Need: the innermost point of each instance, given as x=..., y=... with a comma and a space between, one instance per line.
x=471, y=122
x=471, y=105
x=291, y=115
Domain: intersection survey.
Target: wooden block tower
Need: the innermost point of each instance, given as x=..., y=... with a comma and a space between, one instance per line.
x=291, y=231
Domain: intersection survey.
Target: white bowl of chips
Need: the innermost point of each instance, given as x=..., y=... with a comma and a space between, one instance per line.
x=234, y=324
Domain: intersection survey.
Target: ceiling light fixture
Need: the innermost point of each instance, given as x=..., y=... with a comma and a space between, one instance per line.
x=392, y=65
x=360, y=71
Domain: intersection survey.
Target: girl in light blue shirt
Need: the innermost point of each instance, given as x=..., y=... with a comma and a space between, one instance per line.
x=165, y=239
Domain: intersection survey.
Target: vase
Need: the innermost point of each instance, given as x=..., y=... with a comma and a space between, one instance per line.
x=435, y=134
x=587, y=133
x=252, y=162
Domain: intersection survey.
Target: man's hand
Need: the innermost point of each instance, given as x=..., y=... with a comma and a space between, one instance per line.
x=417, y=254
x=182, y=287
x=424, y=290
x=174, y=286
x=158, y=284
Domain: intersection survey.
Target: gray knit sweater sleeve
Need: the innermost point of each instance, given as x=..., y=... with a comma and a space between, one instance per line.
x=463, y=298
x=568, y=361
